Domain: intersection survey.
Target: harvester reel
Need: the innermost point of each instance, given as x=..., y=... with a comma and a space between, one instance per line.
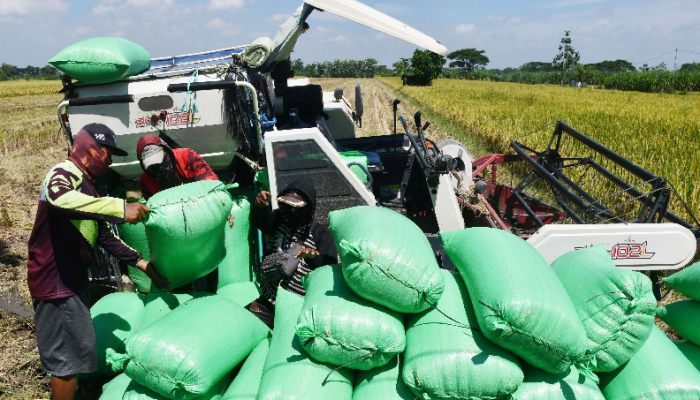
x=461, y=176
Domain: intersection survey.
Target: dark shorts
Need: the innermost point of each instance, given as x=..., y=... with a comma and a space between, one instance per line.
x=65, y=335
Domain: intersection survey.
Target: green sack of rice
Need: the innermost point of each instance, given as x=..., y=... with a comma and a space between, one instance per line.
x=571, y=385
x=616, y=306
x=239, y=263
x=448, y=357
x=115, y=318
x=355, y=157
x=386, y=258
x=136, y=391
x=683, y=317
x=135, y=237
x=658, y=371
x=690, y=351
x=186, y=352
x=686, y=282
x=247, y=382
x=115, y=389
x=158, y=305
x=242, y=293
x=289, y=372
x=383, y=383
x=185, y=230
x=338, y=327
x=518, y=300
x=102, y=60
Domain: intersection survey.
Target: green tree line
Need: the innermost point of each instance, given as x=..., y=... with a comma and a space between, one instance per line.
x=11, y=72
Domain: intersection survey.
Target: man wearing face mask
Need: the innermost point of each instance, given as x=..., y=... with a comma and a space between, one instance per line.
x=71, y=219
x=165, y=168
x=292, y=230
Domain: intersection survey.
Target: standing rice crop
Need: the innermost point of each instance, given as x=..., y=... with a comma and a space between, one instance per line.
x=659, y=131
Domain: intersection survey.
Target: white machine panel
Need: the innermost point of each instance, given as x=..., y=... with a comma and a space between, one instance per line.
x=204, y=131
x=631, y=246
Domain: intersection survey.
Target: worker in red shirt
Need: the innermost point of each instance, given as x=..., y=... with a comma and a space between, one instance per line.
x=165, y=168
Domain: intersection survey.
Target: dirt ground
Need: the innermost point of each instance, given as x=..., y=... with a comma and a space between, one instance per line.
x=35, y=147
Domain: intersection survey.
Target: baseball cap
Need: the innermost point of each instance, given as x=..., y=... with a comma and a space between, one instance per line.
x=106, y=137
x=152, y=154
x=292, y=199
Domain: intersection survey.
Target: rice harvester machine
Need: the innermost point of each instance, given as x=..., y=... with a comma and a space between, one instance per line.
x=240, y=109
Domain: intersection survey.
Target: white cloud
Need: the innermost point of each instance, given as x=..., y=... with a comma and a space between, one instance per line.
x=118, y=34
x=339, y=38
x=279, y=17
x=379, y=36
x=496, y=18
x=514, y=21
x=24, y=7
x=226, y=4
x=321, y=29
x=217, y=23
x=82, y=29
x=102, y=9
x=149, y=3
x=465, y=28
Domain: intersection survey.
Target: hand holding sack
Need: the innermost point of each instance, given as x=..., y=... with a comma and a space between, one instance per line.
x=185, y=230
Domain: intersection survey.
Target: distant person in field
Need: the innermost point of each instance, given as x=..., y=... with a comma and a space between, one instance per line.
x=165, y=168
x=71, y=219
x=295, y=238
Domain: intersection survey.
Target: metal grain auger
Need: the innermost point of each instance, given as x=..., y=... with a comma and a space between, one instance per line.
x=239, y=119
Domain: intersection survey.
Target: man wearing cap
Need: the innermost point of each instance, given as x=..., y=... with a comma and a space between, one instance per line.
x=291, y=228
x=71, y=219
x=165, y=168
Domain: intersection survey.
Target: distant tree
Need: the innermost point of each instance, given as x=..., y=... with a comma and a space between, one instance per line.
x=568, y=57
x=426, y=66
x=402, y=67
x=49, y=70
x=30, y=71
x=9, y=70
x=645, y=68
x=297, y=65
x=690, y=67
x=537, y=66
x=468, y=60
x=3, y=76
x=383, y=70
x=612, y=67
x=660, y=67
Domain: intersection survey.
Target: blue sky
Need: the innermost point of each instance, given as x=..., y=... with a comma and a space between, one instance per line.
x=511, y=32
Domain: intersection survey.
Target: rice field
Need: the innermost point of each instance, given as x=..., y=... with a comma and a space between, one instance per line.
x=660, y=132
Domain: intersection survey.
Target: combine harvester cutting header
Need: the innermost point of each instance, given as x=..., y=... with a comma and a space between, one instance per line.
x=238, y=108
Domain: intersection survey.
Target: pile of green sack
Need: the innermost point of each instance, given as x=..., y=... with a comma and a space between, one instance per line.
x=388, y=323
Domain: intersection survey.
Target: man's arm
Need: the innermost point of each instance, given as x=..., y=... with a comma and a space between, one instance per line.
x=115, y=246
x=60, y=193
x=328, y=254
x=201, y=170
